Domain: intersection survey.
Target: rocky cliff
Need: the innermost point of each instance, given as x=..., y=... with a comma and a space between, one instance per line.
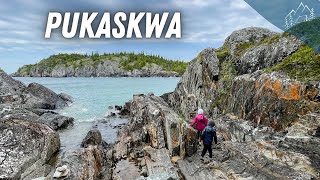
x=267, y=122
x=105, y=65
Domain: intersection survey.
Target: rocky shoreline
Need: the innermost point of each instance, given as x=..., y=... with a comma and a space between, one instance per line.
x=268, y=124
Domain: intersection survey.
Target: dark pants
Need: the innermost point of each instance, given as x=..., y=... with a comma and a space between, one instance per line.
x=199, y=134
x=206, y=148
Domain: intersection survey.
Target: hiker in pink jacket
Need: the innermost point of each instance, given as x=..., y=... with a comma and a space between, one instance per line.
x=199, y=122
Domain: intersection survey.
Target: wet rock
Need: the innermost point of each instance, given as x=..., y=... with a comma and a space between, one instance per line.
x=118, y=108
x=125, y=111
x=26, y=149
x=56, y=121
x=67, y=98
x=93, y=138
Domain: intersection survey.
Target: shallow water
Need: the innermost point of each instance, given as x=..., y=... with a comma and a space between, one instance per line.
x=93, y=96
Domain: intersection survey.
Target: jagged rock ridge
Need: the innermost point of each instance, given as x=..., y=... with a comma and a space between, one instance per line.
x=268, y=124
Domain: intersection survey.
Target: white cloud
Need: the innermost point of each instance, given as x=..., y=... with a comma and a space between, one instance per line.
x=195, y=3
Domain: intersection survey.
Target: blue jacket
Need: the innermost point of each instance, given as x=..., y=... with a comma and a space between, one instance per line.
x=208, y=135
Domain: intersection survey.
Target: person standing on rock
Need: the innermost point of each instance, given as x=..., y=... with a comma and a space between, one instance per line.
x=199, y=123
x=209, y=134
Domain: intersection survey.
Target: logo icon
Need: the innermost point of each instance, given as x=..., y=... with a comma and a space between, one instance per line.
x=302, y=14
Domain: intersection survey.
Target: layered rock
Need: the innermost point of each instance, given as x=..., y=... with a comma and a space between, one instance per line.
x=92, y=161
x=272, y=127
x=271, y=99
x=267, y=54
x=154, y=134
x=196, y=87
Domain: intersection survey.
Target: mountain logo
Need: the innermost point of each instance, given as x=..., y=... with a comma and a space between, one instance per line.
x=302, y=14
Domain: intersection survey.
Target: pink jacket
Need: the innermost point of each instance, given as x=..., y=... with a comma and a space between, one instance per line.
x=201, y=122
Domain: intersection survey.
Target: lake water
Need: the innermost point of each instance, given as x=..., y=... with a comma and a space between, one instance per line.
x=93, y=96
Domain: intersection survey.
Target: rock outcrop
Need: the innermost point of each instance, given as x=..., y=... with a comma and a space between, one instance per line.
x=34, y=96
x=92, y=161
x=268, y=124
x=153, y=135
x=28, y=141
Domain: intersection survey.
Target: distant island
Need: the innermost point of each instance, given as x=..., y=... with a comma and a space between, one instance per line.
x=103, y=65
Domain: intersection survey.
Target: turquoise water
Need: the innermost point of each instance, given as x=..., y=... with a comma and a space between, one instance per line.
x=93, y=96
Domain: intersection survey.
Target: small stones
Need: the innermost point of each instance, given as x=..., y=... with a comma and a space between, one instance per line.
x=61, y=172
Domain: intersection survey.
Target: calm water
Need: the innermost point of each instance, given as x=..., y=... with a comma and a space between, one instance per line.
x=93, y=96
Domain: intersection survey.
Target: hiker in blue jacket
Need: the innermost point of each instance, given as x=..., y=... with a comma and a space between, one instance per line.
x=208, y=135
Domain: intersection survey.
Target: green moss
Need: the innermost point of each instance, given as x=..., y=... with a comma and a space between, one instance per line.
x=243, y=47
x=227, y=73
x=303, y=65
x=223, y=53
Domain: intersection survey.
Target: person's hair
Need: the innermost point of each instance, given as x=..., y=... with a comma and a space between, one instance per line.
x=211, y=123
x=200, y=111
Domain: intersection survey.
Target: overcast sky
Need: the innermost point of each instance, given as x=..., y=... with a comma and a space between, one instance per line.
x=206, y=23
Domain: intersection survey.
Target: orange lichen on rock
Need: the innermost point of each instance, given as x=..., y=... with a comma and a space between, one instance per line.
x=295, y=90
x=292, y=92
x=278, y=88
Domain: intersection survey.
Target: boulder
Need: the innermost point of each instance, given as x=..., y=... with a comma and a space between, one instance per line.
x=50, y=99
x=26, y=149
x=61, y=172
x=92, y=138
x=66, y=97
x=56, y=121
